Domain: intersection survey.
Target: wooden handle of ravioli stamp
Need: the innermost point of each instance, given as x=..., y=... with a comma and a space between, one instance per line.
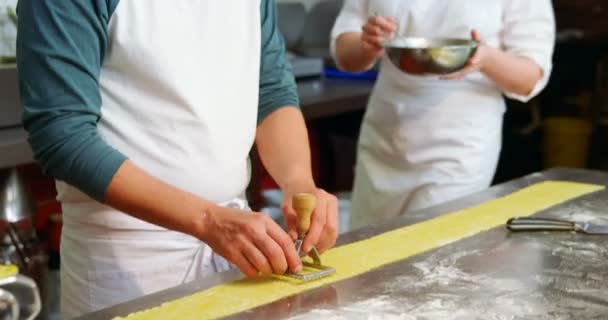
x=304, y=204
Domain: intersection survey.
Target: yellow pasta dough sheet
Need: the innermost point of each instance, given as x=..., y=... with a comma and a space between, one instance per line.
x=359, y=257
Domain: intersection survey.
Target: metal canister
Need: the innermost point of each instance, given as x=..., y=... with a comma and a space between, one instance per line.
x=19, y=295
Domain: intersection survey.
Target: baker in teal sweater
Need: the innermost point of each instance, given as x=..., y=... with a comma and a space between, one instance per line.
x=145, y=113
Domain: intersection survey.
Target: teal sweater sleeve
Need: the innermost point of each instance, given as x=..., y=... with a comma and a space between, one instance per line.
x=60, y=50
x=277, y=84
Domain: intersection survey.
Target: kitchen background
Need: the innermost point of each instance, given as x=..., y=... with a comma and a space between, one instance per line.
x=565, y=126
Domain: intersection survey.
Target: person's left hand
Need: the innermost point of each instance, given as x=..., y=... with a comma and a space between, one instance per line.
x=476, y=63
x=323, y=231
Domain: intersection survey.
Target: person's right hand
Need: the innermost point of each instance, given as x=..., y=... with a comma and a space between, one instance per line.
x=376, y=31
x=252, y=241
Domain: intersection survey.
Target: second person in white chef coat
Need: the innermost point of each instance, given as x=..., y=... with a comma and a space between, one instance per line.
x=426, y=140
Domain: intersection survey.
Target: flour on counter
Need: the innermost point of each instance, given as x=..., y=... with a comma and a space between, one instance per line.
x=381, y=307
x=581, y=211
x=556, y=266
x=448, y=304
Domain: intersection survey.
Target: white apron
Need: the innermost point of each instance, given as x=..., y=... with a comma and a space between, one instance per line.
x=109, y=258
x=431, y=146
x=180, y=87
x=423, y=140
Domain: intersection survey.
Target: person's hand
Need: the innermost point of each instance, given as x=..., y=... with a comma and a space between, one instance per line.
x=376, y=31
x=323, y=230
x=252, y=241
x=476, y=63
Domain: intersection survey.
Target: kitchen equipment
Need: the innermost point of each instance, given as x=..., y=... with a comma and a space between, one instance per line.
x=566, y=141
x=19, y=296
x=546, y=224
x=304, y=67
x=16, y=208
x=8, y=41
x=306, y=35
x=430, y=56
x=12, y=14
x=15, y=205
x=9, y=306
x=304, y=204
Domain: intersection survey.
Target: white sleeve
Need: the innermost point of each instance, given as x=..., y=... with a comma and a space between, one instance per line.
x=352, y=17
x=529, y=31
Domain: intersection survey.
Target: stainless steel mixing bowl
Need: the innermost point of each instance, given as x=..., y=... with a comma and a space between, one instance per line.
x=430, y=56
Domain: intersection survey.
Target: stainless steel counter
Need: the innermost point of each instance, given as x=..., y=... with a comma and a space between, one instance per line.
x=494, y=275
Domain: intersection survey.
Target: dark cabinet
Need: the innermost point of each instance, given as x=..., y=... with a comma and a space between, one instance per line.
x=590, y=16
